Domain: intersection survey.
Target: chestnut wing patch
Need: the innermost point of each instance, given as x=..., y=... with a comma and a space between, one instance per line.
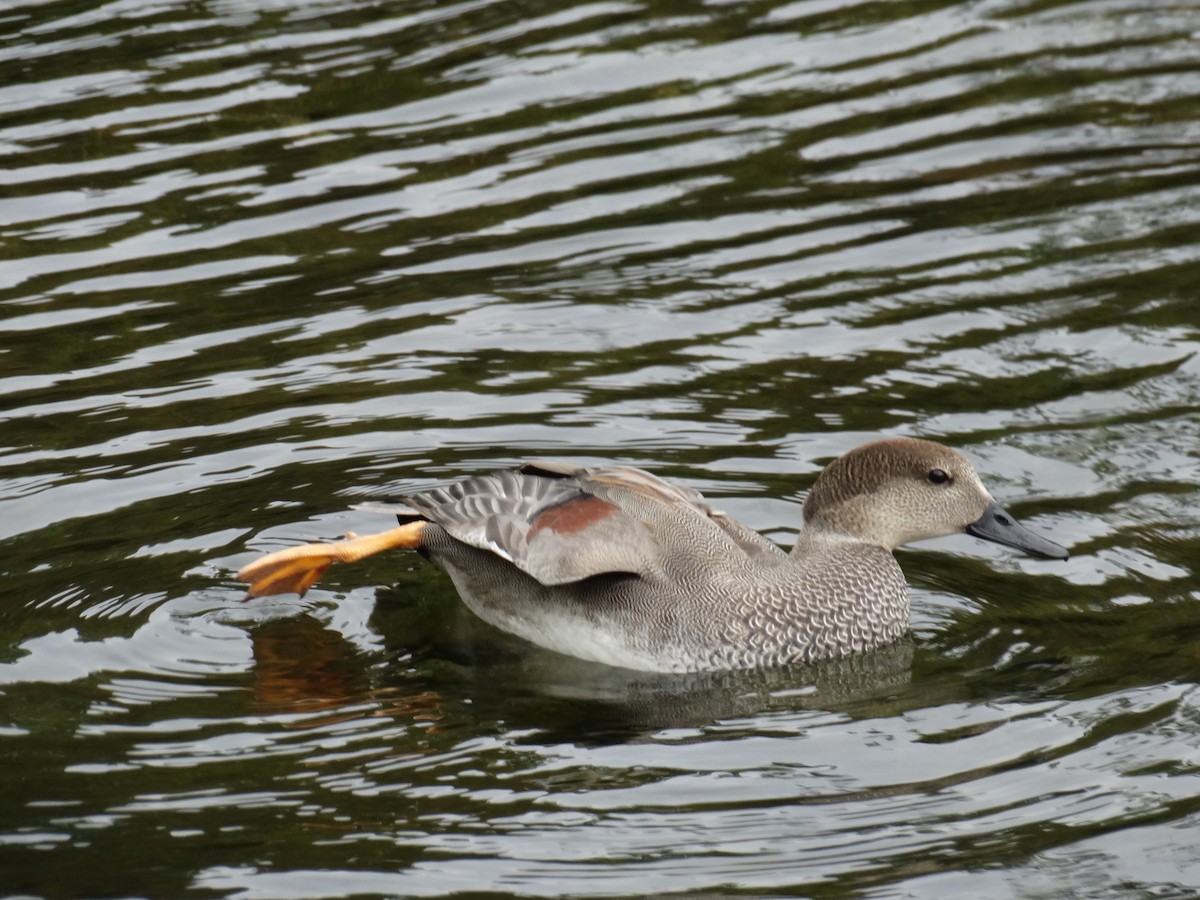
x=573, y=515
x=550, y=528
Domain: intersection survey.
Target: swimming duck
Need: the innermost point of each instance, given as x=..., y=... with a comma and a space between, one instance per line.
x=615, y=565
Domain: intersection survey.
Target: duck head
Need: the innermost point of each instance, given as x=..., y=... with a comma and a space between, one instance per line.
x=897, y=490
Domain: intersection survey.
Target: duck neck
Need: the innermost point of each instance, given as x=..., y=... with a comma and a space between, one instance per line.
x=820, y=537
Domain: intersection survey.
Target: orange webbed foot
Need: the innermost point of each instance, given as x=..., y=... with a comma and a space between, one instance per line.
x=296, y=569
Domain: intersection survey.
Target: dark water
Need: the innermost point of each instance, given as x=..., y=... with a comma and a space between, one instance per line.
x=262, y=261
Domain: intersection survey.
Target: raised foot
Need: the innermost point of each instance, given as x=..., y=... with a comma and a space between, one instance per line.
x=296, y=569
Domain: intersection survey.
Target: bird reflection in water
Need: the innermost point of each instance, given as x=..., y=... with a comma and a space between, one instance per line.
x=300, y=666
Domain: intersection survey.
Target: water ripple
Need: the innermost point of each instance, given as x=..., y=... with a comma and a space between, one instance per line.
x=261, y=261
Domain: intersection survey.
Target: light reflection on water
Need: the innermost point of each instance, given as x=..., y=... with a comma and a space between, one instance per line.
x=261, y=262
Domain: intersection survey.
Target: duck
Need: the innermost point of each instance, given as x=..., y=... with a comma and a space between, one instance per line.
x=615, y=565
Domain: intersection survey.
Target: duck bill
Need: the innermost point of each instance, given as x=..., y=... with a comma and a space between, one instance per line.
x=998, y=526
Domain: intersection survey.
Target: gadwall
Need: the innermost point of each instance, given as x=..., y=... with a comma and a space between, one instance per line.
x=618, y=566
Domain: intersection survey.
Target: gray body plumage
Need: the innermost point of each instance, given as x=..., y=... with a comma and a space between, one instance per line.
x=618, y=566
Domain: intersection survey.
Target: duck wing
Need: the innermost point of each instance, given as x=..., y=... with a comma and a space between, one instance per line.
x=562, y=523
x=542, y=520
x=695, y=520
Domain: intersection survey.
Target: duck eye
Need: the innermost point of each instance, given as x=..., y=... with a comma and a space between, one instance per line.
x=938, y=476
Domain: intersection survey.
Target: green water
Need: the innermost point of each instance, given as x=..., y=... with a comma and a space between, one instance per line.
x=262, y=262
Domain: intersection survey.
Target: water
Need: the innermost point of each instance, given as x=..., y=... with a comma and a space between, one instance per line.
x=260, y=262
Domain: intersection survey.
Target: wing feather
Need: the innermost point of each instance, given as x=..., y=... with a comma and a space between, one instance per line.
x=561, y=523
x=549, y=527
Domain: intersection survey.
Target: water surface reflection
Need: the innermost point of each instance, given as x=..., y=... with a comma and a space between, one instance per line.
x=259, y=262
